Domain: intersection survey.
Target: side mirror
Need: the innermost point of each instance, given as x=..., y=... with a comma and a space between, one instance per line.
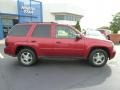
x=78, y=36
x=108, y=37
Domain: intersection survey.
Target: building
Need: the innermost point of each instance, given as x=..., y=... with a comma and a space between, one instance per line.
x=18, y=11
x=61, y=13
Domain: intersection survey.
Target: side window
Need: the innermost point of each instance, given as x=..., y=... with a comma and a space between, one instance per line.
x=19, y=30
x=65, y=32
x=42, y=31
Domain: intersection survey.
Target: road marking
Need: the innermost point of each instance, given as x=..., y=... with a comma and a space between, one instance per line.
x=1, y=56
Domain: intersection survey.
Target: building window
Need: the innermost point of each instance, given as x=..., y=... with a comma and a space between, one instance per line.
x=59, y=17
x=67, y=17
x=7, y=22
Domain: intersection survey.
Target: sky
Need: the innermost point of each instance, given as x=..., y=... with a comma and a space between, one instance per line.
x=97, y=13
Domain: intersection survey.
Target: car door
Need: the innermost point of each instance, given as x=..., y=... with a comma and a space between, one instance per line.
x=41, y=37
x=66, y=43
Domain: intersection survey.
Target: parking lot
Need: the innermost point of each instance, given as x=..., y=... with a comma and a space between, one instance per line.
x=54, y=74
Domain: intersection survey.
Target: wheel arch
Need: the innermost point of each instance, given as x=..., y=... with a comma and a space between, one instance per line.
x=103, y=48
x=23, y=47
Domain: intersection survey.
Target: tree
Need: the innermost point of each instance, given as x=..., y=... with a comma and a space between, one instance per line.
x=77, y=26
x=115, y=24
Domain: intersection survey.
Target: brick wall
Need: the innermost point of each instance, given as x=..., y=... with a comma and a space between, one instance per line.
x=115, y=38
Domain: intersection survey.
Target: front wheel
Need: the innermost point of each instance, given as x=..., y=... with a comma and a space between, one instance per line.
x=27, y=57
x=98, y=57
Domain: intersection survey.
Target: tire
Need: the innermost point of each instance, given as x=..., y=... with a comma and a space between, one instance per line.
x=98, y=58
x=27, y=57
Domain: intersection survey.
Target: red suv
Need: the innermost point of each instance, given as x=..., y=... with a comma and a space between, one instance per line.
x=30, y=41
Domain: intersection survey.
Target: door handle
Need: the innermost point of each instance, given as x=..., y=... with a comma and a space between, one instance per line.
x=58, y=42
x=33, y=41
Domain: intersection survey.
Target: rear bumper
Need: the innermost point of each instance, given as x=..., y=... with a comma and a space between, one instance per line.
x=10, y=51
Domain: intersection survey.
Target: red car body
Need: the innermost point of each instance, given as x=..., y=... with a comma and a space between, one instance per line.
x=56, y=47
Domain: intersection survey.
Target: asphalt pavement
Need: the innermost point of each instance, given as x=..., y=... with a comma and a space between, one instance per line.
x=54, y=74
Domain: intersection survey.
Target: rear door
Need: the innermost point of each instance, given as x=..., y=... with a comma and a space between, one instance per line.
x=41, y=36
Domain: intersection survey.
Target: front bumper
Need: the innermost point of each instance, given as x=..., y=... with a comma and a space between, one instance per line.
x=113, y=53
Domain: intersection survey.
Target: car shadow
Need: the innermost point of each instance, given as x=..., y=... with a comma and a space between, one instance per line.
x=55, y=75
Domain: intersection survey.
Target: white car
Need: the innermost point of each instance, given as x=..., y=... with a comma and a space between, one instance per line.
x=95, y=34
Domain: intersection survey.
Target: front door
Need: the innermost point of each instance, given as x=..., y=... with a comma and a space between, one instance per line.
x=66, y=43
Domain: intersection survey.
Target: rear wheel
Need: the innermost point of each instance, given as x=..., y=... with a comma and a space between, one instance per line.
x=27, y=57
x=98, y=57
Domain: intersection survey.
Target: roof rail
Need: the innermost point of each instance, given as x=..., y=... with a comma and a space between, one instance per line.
x=38, y=22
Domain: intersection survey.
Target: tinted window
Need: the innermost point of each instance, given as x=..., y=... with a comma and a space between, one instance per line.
x=42, y=31
x=65, y=32
x=19, y=30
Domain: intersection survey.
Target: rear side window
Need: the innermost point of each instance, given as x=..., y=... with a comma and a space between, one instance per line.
x=42, y=31
x=19, y=30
